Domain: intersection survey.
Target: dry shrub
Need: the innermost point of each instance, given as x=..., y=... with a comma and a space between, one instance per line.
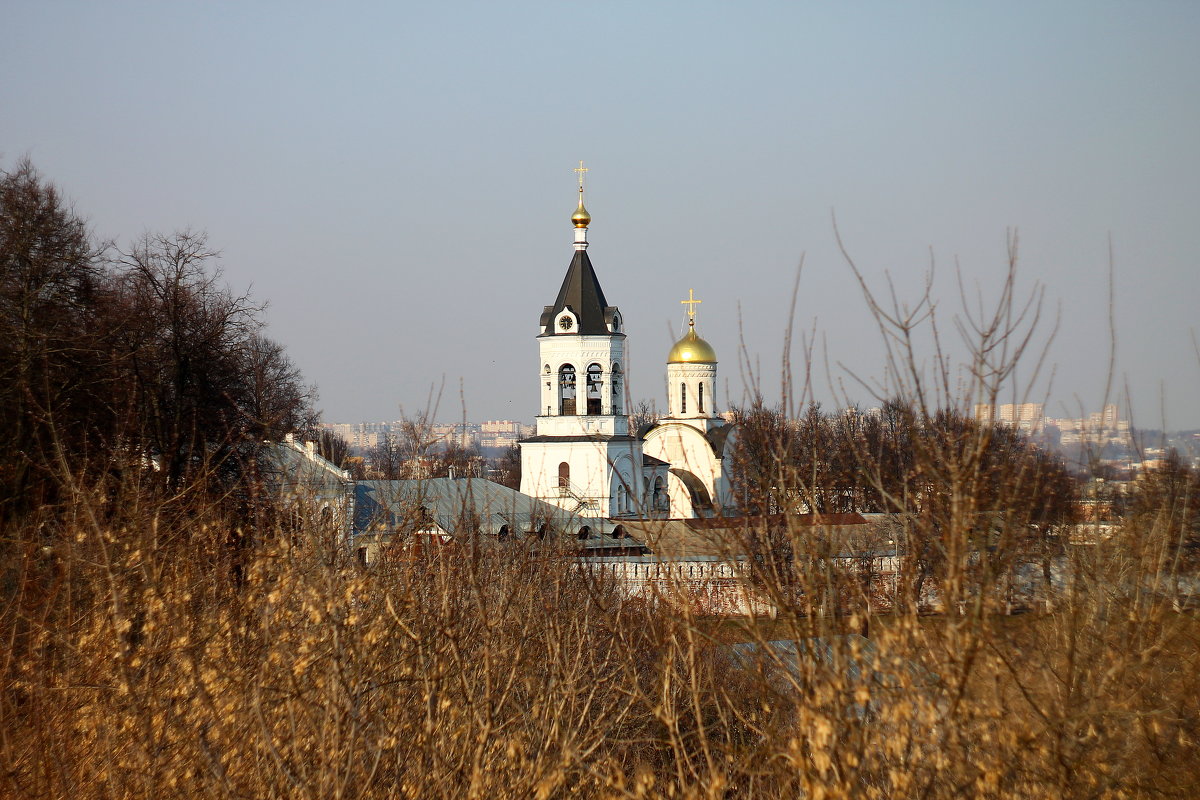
x=154, y=650
x=138, y=667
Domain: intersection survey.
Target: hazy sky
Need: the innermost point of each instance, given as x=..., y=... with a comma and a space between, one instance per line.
x=395, y=179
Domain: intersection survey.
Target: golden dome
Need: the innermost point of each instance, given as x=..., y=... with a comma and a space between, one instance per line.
x=691, y=349
x=581, y=218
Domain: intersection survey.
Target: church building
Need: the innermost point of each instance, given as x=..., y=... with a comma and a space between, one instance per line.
x=583, y=457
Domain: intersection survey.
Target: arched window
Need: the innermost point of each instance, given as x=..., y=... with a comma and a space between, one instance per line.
x=656, y=501
x=595, y=382
x=566, y=390
x=564, y=475
x=683, y=398
x=503, y=533
x=585, y=533
x=621, y=500
x=700, y=398
x=618, y=389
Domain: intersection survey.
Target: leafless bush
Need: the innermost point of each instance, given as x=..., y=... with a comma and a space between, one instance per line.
x=134, y=666
x=145, y=658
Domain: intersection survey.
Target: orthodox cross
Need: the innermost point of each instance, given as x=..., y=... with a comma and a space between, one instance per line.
x=691, y=303
x=581, y=169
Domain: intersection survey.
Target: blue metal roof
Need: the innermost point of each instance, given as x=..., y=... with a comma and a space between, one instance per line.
x=460, y=505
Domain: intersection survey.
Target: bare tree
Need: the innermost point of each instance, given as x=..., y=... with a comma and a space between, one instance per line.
x=386, y=460
x=333, y=448
x=203, y=381
x=643, y=414
x=50, y=362
x=508, y=467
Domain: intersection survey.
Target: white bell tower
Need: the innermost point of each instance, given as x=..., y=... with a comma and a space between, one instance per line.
x=582, y=457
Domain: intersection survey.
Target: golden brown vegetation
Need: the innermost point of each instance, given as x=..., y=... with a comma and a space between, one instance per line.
x=135, y=666
x=157, y=644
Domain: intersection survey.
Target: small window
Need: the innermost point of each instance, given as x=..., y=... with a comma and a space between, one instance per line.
x=700, y=398
x=564, y=475
x=683, y=398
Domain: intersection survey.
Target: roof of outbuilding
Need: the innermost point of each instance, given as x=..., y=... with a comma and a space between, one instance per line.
x=725, y=537
x=290, y=465
x=855, y=657
x=461, y=505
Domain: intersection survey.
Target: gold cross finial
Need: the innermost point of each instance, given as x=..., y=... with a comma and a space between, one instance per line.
x=581, y=169
x=691, y=303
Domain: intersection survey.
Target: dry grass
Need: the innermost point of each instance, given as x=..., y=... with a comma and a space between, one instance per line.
x=135, y=666
x=152, y=652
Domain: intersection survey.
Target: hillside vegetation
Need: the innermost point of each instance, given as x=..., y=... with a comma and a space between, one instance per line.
x=167, y=634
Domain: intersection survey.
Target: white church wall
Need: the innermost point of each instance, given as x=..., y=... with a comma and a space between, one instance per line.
x=595, y=471
x=693, y=376
x=686, y=448
x=705, y=585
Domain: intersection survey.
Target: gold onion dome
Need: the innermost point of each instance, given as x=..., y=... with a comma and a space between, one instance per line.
x=691, y=349
x=581, y=218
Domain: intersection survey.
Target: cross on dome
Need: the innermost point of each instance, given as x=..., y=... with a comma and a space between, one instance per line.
x=691, y=303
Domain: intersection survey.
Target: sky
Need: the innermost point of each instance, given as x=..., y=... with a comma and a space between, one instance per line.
x=395, y=181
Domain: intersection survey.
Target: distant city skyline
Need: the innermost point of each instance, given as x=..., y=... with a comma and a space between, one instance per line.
x=396, y=180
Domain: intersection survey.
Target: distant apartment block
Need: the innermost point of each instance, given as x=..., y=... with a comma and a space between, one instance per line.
x=360, y=436
x=1028, y=417
x=503, y=433
x=498, y=434
x=1098, y=428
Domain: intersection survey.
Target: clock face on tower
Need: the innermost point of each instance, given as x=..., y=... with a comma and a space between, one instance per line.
x=566, y=323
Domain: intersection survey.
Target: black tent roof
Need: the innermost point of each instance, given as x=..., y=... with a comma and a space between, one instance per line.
x=581, y=293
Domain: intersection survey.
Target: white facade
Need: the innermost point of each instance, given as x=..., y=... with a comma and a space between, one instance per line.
x=690, y=390
x=595, y=364
x=693, y=438
x=705, y=584
x=698, y=480
x=583, y=457
x=596, y=477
